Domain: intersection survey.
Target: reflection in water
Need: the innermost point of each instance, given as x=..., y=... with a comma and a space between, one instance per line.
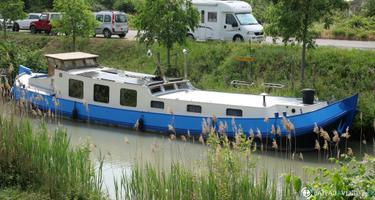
x=124, y=148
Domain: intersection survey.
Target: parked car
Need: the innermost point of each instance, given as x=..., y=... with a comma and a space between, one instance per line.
x=24, y=24
x=111, y=23
x=44, y=22
x=8, y=24
x=226, y=20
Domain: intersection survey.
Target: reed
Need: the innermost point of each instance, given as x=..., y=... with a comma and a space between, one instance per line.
x=228, y=173
x=36, y=159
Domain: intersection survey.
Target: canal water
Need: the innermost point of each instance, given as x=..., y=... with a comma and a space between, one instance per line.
x=124, y=148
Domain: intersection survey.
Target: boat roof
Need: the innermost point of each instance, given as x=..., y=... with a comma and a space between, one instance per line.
x=71, y=56
x=231, y=98
x=113, y=75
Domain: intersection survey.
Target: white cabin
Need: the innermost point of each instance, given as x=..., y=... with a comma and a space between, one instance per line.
x=226, y=20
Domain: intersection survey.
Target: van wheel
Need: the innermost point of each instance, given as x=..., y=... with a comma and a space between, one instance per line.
x=237, y=38
x=33, y=29
x=121, y=35
x=16, y=27
x=107, y=33
x=190, y=37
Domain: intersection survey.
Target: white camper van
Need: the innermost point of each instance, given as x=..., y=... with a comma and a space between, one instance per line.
x=226, y=20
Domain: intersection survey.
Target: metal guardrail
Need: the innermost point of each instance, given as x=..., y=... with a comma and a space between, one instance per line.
x=241, y=83
x=273, y=85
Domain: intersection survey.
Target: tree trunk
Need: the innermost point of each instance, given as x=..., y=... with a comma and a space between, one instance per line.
x=74, y=41
x=5, y=29
x=168, y=58
x=303, y=63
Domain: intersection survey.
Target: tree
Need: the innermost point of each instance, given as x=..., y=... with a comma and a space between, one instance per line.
x=368, y=8
x=11, y=10
x=295, y=18
x=76, y=21
x=165, y=21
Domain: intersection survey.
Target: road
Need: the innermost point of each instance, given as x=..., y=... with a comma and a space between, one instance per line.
x=367, y=45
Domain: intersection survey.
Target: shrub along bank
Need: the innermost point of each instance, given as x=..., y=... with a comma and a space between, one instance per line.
x=334, y=73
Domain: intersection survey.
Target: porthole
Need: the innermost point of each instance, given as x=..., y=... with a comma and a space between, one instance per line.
x=293, y=110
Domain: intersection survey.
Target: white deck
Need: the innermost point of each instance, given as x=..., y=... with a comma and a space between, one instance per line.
x=231, y=98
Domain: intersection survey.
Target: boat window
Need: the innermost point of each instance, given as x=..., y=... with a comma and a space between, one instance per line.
x=212, y=16
x=79, y=63
x=155, y=89
x=157, y=104
x=128, y=97
x=68, y=64
x=91, y=62
x=234, y=112
x=194, y=108
x=169, y=87
x=101, y=93
x=76, y=88
x=182, y=85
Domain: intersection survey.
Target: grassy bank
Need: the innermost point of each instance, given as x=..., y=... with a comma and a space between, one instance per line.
x=44, y=164
x=334, y=73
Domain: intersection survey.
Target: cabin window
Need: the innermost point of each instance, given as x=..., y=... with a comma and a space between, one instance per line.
x=76, y=89
x=128, y=97
x=194, y=108
x=202, y=16
x=183, y=85
x=155, y=89
x=91, y=62
x=157, y=104
x=107, y=18
x=101, y=93
x=234, y=112
x=79, y=63
x=68, y=64
x=169, y=87
x=212, y=16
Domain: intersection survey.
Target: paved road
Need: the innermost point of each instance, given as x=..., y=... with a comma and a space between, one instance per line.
x=369, y=45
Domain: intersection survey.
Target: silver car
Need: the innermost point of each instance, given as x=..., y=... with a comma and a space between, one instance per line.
x=111, y=23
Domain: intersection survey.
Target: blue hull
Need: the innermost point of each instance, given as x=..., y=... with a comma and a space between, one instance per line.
x=338, y=116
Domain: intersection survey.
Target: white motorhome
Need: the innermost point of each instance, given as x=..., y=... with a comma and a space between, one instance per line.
x=226, y=20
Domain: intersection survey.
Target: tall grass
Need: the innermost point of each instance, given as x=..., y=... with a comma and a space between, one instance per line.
x=228, y=173
x=35, y=159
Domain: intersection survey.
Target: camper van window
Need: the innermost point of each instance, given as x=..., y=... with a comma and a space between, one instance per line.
x=120, y=18
x=157, y=104
x=229, y=19
x=107, y=18
x=128, y=97
x=99, y=18
x=202, y=16
x=234, y=112
x=246, y=19
x=101, y=93
x=76, y=89
x=194, y=108
x=212, y=16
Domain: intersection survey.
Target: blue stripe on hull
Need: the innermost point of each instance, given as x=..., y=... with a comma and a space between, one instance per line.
x=340, y=113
